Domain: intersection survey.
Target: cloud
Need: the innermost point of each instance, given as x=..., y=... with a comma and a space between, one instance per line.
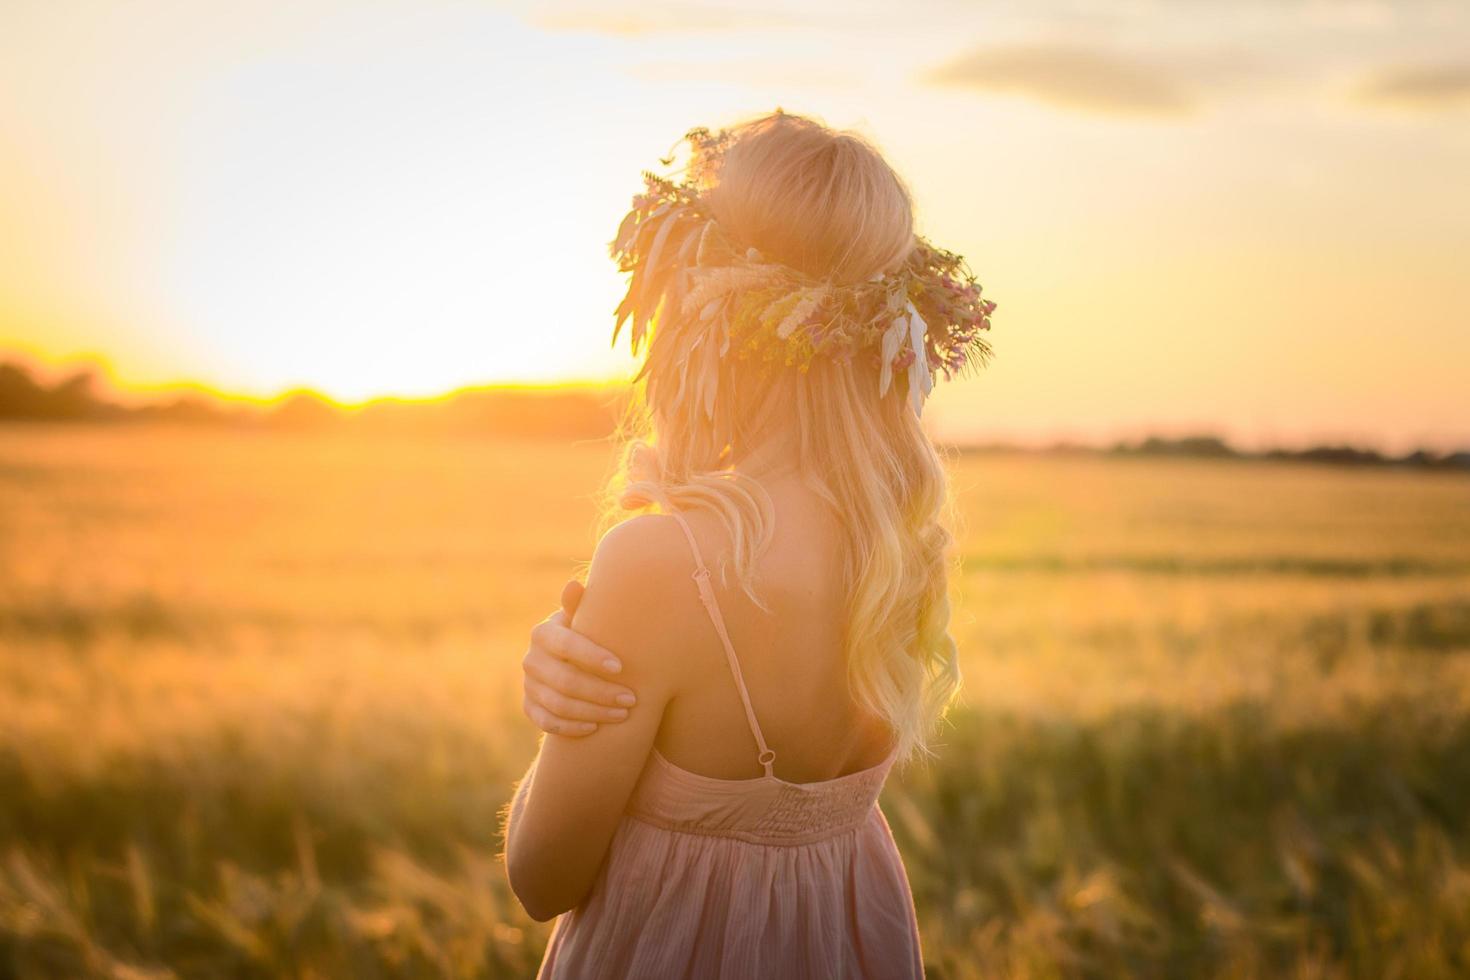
x=1070, y=76
x=749, y=72
x=1441, y=86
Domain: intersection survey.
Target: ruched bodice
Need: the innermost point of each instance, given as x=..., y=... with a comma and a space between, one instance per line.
x=735, y=878
x=762, y=810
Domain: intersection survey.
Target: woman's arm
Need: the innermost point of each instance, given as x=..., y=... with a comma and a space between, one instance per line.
x=570, y=802
x=563, y=676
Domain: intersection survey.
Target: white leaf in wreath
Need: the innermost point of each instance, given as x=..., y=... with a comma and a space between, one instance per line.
x=892, y=340
x=921, y=381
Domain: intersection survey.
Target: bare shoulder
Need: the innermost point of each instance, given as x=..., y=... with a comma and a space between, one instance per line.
x=643, y=551
x=639, y=597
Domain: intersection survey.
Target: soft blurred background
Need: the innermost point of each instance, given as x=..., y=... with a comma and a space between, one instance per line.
x=305, y=395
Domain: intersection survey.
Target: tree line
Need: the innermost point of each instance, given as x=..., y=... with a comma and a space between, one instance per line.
x=570, y=412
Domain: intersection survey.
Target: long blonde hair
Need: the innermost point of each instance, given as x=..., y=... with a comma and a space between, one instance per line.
x=827, y=203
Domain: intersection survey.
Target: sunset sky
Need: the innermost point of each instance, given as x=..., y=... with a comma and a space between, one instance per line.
x=1249, y=218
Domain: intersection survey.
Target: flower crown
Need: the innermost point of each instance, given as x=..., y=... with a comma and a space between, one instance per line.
x=926, y=316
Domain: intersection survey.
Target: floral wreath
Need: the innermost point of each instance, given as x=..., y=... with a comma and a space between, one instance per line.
x=925, y=317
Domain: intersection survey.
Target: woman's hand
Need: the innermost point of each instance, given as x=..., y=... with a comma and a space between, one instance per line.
x=560, y=828
x=564, y=693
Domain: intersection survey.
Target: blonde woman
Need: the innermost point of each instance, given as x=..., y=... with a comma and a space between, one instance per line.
x=774, y=617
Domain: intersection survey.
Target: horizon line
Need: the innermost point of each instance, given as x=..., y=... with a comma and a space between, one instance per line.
x=129, y=395
x=100, y=366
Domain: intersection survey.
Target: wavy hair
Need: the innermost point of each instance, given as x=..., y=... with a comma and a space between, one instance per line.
x=827, y=203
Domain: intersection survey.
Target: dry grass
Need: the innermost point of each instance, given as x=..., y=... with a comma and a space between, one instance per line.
x=258, y=710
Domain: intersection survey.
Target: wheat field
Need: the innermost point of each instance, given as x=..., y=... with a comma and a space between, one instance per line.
x=259, y=710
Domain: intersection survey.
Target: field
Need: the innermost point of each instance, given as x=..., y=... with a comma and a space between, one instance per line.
x=259, y=710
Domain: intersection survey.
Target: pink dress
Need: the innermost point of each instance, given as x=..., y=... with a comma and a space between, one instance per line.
x=741, y=878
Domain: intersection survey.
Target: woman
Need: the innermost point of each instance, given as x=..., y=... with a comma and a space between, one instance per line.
x=726, y=825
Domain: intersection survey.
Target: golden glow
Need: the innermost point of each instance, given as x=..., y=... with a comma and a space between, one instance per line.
x=404, y=198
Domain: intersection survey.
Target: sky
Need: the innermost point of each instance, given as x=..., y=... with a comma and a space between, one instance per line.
x=1246, y=218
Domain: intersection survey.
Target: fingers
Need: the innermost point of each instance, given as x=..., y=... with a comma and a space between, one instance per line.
x=563, y=693
x=571, y=596
x=571, y=681
x=552, y=725
x=565, y=708
x=567, y=644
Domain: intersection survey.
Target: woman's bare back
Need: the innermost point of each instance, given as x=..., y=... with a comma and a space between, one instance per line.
x=792, y=658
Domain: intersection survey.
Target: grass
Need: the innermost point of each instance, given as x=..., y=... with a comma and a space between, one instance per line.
x=259, y=711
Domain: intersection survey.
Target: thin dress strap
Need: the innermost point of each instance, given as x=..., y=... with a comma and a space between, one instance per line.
x=767, y=758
